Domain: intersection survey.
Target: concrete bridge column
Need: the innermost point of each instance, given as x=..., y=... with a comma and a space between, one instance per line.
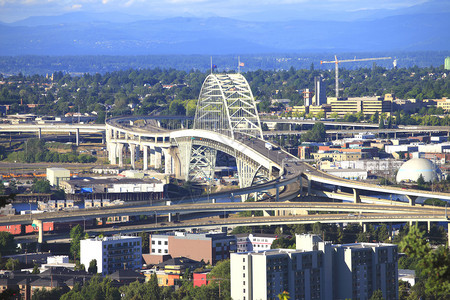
x=152, y=156
x=158, y=158
x=39, y=225
x=112, y=153
x=39, y=133
x=168, y=163
x=133, y=155
x=77, y=137
x=119, y=153
x=145, y=158
x=356, y=198
x=428, y=226
x=411, y=199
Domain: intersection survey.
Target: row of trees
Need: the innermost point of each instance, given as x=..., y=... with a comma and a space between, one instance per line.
x=115, y=93
x=103, y=288
x=35, y=150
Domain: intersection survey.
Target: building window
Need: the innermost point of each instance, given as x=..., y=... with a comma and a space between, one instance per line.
x=165, y=243
x=159, y=242
x=153, y=242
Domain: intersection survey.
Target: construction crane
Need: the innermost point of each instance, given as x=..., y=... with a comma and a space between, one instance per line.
x=337, y=62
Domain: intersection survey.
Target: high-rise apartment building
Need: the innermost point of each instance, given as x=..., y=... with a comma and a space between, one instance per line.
x=316, y=270
x=265, y=274
x=112, y=253
x=320, y=96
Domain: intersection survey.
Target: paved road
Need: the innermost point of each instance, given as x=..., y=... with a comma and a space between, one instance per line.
x=140, y=208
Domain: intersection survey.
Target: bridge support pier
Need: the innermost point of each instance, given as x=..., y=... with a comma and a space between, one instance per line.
x=158, y=158
x=119, y=153
x=145, y=158
x=132, y=155
x=428, y=226
x=411, y=199
x=77, y=137
x=168, y=162
x=40, y=227
x=112, y=150
x=278, y=194
x=356, y=198
x=152, y=156
x=39, y=133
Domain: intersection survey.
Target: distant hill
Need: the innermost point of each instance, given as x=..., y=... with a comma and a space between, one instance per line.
x=104, y=34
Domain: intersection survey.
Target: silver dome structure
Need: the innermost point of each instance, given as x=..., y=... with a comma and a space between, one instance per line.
x=413, y=168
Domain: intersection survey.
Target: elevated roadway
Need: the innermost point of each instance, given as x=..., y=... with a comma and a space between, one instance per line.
x=139, y=208
x=211, y=223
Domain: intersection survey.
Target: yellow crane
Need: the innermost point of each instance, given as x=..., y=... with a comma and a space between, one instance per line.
x=337, y=62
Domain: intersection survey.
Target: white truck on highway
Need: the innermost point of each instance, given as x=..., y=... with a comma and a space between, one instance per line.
x=270, y=146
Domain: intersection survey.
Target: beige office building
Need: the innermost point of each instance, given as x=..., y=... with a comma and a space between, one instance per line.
x=366, y=105
x=57, y=175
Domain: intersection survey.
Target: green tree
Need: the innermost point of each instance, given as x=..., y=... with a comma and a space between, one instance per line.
x=413, y=244
x=284, y=296
x=96, y=288
x=220, y=275
x=41, y=186
x=12, y=264
x=2, y=188
x=35, y=269
x=377, y=295
x=44, y=294
x=316, y=134
x=76, y=234
x=93, y=266
x=7, y=244
x=421, y=181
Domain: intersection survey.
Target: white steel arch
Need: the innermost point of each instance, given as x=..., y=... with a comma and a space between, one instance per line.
x=226, y=105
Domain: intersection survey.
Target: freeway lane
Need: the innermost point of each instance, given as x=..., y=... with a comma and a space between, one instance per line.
x=136, y=210
x=257, y=221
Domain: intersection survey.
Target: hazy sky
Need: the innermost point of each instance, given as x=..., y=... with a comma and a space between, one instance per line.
x=13, y=10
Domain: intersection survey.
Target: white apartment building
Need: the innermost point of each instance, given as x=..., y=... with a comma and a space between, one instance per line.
x=254, y=242
x=265, y=274
x=112, y=253
x=316, y=270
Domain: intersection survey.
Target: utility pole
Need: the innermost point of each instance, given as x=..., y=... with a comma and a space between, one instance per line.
x=336, y=62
